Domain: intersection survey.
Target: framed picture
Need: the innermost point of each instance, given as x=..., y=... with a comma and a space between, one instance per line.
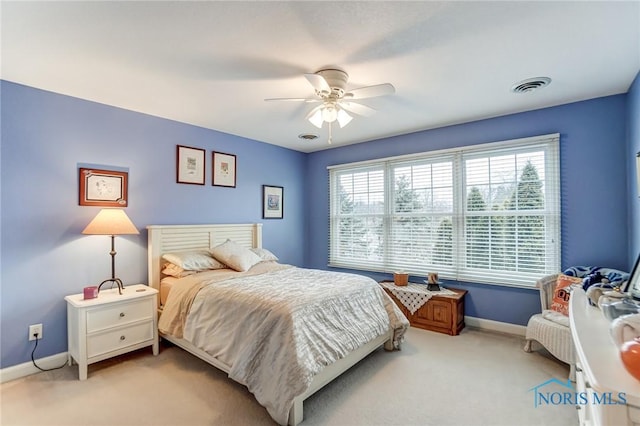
x=103, y=188
x=272, y=202
x=190, y=165
x=224, y=169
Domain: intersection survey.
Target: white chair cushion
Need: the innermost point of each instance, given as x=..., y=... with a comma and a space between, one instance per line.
x=556, y=317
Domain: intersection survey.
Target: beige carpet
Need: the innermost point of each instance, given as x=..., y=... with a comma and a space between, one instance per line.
x=476, y=378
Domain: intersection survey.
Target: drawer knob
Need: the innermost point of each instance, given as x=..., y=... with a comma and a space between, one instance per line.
x=122, y=337
x=121, y=314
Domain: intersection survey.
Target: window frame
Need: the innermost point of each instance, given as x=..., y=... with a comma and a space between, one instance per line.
x=550, y=214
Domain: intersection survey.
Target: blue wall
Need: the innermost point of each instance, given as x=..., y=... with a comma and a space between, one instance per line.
x=44, y=256
x=593, y=184
x=633, y=128
x=46, y=136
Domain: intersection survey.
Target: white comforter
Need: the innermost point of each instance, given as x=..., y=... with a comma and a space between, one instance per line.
x=278, y=329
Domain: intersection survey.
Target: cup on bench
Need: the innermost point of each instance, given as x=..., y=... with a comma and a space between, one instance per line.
x=400, y=278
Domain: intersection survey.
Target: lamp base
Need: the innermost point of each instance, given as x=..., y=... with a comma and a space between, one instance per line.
x=118, y=282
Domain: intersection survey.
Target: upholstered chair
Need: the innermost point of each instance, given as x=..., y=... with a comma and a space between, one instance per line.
x=550, y=328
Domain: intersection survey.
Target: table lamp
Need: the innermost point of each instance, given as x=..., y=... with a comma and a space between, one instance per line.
x=111, y=222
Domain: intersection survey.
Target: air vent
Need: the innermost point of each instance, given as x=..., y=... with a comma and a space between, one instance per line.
x=530, y=84
x=308, y=136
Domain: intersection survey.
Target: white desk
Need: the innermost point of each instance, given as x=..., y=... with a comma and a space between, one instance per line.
x=599, y=368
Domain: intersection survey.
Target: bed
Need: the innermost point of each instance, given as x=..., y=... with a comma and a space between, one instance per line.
x=204, y=296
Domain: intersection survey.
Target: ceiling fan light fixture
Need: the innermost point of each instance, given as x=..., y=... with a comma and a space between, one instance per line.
x=316, y=119
x=334, y=101
x=343, y=118
x=329, y=113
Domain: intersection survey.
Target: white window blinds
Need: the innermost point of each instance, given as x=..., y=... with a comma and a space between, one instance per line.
x=487, y=213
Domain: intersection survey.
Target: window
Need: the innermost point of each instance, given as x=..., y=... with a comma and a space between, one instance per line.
x=487, y=213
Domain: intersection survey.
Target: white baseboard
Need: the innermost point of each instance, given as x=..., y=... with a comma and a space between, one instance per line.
x=27, y=368
x=490, y=325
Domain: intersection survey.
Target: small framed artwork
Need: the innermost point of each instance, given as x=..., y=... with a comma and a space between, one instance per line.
x=190, y=165
x=224, y=169
x=272, y=202
x=103, y=188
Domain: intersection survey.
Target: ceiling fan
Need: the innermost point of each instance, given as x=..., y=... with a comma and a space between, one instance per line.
x=336, y=103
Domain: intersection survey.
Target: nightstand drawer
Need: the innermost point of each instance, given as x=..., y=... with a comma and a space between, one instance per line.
x=120, y=338
x=120, y=314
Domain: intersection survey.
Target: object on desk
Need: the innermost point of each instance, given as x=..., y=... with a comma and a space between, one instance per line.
x=594, y=294
x=432, y=282
x=615, y=294
x=90, y=292
x=625, y=328
x=630, y=355
x=614, y=308
x=400, y=278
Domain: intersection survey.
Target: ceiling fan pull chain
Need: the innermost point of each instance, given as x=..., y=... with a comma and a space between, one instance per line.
x=330, y=137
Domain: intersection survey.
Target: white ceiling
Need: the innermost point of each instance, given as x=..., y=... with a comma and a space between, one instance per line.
x=212, y=64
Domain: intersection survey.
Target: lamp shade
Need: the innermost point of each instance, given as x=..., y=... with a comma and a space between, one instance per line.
x=110, y=222
x=316, y=118
x=343, y=118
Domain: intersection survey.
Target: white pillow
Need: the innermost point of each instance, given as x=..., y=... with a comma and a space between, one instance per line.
x=264, y=254
x=235, y=256
x=199, y=260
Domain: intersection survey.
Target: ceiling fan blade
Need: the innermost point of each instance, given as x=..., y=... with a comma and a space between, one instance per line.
x=357, y=108
x=308, y=100
x=371, y=91
x=319, y=83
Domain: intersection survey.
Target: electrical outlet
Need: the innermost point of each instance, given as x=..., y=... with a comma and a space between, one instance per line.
x=33, y=330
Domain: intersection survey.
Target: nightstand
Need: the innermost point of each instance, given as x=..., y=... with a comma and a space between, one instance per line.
x=111, y=324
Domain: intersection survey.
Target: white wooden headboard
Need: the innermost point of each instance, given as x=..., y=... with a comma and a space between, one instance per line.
x=173, y=238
